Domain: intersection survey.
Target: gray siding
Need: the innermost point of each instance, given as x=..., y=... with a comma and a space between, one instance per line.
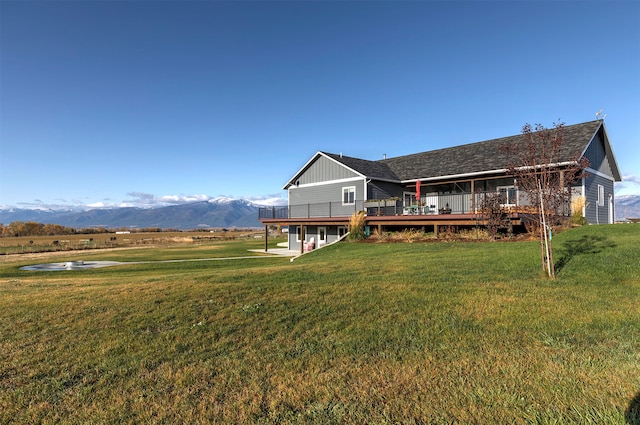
x=325, y=169
x=324, y=200
x=384, y=190
x=597, y=157
x=597, y=214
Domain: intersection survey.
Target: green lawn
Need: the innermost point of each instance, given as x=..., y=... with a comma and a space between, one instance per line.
x=425, y=333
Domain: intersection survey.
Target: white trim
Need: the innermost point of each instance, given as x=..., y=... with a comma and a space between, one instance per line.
x=482, y=173
x=291, y=182
x=599, y=173
x=324, y=183
x=454, y=176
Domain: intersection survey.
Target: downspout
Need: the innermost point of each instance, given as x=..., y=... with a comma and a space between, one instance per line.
x=584, y=207
x=365, y=197
x=366, y=182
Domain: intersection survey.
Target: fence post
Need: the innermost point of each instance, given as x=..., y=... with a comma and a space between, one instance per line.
x=266, y=238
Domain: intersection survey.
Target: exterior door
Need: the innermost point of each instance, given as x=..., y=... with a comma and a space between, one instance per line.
x=322, y=235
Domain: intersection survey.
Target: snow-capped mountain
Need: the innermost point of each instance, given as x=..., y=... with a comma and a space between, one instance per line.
x=627, y=206
x=218, y=212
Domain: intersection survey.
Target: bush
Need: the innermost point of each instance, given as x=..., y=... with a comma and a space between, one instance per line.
x=577, y=204
x=356, y=226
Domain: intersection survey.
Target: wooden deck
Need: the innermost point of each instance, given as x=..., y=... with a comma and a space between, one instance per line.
x=394, y=220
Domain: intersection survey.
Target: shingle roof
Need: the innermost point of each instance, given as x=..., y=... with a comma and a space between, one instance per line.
x=464, y=159
x=482, y=156
x=371, y=169
x=474, y=158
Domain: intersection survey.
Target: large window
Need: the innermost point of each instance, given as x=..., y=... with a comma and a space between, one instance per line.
x=349, y=195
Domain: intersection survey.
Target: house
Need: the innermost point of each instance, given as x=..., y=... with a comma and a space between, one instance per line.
x=433, y=188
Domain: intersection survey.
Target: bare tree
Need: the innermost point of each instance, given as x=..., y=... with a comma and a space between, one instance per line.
x=494, y=214
x=544, y=173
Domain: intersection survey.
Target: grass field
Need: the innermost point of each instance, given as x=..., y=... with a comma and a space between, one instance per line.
x=36, y=244
x=424, y=333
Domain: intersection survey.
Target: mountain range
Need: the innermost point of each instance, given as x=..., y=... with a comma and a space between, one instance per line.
x=627, y=206
x=216, y=213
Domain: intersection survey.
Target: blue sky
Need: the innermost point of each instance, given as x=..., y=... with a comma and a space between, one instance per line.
x=145, y=103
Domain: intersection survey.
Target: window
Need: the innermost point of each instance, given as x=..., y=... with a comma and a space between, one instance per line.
x=349, y=195
x=600, y=195
x=322, y=234
x=298, y=231
x=508, y=195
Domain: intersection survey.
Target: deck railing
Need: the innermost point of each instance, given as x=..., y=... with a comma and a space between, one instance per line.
x=450, y=203
x=316, y=210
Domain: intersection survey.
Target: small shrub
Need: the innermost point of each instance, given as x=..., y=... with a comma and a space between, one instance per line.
x=577, y=204
x=356, y=226
x=494, y=212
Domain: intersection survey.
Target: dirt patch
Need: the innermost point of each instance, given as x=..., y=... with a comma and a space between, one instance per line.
x=56, y=254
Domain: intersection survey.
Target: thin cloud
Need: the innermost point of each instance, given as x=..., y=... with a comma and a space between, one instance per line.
x=37, y=204
x=149, y=200
x=630, y=178
x=273, y=199
x=183, y=199
x=97, y=205
x=146, y=200
x=630, y=185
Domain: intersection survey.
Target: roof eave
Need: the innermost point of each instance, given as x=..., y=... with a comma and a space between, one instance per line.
x=456, y=176
x=479, y=173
